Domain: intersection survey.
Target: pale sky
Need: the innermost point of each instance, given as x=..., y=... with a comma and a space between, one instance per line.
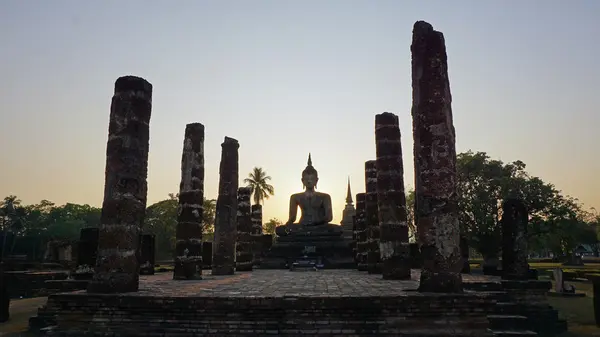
x=290, y=77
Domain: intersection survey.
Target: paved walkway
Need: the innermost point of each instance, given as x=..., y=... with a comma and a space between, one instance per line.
x=279, y=283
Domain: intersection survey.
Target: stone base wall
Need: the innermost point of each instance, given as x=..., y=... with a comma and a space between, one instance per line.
x=412, y=315
x=31, y=284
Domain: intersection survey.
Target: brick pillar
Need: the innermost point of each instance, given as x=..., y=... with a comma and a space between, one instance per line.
x=245, y=239
x=147, y=254
x=4, y=295
x=435, y=163
x=371, y=218
x=257, y=233
x=361, y=232
x=514, y=240
x=188, y=248
x=464, y=253
x=125, y=189
x=87, y=251
x=223, y=262
x=391, y=200
x=207, y=254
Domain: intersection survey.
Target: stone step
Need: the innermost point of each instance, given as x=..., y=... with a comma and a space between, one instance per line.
x=508, y=322
x=483, y=286
x=511, y=333
x=134, y=331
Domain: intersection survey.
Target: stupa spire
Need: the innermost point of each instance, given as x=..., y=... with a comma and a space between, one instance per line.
x=349, y=193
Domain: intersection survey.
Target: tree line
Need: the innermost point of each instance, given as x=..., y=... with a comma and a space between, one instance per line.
x=31, y=227
x=558, y=223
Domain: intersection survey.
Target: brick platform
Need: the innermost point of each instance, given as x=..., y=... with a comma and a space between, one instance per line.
x=272, y=302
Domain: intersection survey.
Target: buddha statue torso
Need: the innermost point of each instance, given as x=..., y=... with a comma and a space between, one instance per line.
x=315, y=206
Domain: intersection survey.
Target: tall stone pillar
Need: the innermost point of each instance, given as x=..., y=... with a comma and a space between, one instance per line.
x=464, y=253
x=188, y=247
x=257, y=233
x=514, y=240
x=125, y=189
x=245, y=239
x=371, y=218
x=87, y=253
x=435, y=163
x=361, y=232
x=147, y=254
x=223, y=262
x=391, y=200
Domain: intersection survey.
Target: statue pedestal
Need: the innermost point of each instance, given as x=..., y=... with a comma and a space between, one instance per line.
x=333, y=252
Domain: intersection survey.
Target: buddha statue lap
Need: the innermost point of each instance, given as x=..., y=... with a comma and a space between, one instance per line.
x=316, y=210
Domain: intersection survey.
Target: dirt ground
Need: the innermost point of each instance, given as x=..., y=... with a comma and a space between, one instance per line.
x=20, y=311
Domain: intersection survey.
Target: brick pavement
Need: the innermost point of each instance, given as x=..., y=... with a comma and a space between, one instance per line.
x=283, y=283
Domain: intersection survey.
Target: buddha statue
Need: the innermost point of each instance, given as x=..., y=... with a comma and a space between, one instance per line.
x=316, y=210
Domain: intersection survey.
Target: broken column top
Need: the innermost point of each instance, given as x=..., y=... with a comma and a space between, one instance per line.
x=132, y=83
x=386, y=118
x=194, y=128
x=424, y=38
x=230, y=142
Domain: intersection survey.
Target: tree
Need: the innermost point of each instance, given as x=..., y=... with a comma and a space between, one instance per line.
x=555, y=221
x=258, y=181
x=410, y=213
x=269, y=226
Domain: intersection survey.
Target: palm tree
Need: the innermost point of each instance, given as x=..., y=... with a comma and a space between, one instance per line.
x=258, y=181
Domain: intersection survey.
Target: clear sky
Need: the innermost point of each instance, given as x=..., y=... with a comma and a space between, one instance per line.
x=290, y=77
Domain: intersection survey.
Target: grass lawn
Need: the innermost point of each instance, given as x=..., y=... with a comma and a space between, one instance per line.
x=578, y=311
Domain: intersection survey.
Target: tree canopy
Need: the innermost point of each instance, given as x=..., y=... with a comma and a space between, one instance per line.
x=258, y=181
x=557, y=223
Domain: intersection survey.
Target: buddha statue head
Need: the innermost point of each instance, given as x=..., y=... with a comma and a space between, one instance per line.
x=310, y=177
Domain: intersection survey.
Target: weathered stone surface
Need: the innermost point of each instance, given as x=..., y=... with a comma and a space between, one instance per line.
x=207, y=254
x=188, y=248
x=225, y=220
x=435, y=162
x=514, y=240
x=245, y=239
x=257, y=233
x=464, y=253
x=391, y=200
x=147, y=254
x=372, y=218
x=87, y=250
x=126, y=188
x=4, y=296
x=361, y=232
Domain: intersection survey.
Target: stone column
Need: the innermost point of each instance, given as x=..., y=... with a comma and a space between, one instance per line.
x=435, y=163
x=391, y=200
x=223, y=262
x=87, y=252
x=125, y=189
x=257, y=233
x=245, y=238
x=4, y=296
x=371, y=218
x=514, y=240
x=207, y=254
x=464, y=253
x=361, y=236
x=188, y=247
x=147, y=254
